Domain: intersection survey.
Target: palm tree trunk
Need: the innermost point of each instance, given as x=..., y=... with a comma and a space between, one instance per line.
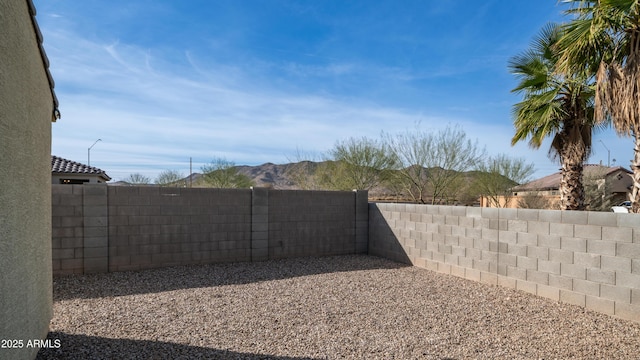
x=571, y=189
x=635, y=167
x=572, y=155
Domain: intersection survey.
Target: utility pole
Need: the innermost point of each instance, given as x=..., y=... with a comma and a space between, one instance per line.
x=89, y=152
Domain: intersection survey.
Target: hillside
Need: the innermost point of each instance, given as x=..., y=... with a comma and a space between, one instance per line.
x=289, y=177
x=301, y=175
x=270, y=175
x=267, y=175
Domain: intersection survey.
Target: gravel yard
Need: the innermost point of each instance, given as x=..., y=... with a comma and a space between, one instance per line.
x=353, y=307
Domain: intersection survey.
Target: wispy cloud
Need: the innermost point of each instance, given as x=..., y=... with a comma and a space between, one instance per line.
x=148, y=116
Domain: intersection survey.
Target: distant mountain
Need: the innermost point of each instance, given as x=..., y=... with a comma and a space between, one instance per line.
x=288, y=177
x=266, y=175
x=270, y=175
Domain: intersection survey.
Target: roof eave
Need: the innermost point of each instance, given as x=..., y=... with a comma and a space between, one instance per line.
x=55, y=115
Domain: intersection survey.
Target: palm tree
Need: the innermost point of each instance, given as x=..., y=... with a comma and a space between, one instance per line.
x=554, y=105
x=606, y=33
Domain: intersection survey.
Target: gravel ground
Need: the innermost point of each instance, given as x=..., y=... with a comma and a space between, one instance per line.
x=347, y=307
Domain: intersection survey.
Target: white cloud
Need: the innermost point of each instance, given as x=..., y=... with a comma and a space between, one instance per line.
x=148, y=117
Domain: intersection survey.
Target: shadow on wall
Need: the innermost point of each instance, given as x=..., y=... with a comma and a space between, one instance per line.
x=386, y=243
x=197, y=276
x=94, y=347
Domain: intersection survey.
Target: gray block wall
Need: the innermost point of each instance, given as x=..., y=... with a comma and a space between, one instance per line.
x=260, y=224
x=311, y=223
x=100, y=228
x=95, y=218
x=67, y=220
x=156, y=226
x=590, y=259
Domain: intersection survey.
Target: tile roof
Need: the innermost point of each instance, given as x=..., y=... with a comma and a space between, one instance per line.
x=552, y=182
x=64, y=166
x=45, y=59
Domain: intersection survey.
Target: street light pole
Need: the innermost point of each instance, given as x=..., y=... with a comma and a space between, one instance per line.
x=89, y=152
x=608, y=154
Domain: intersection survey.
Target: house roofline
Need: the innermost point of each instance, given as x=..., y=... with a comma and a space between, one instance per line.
x=45, y=60
x=531, y=185
x=82, y=169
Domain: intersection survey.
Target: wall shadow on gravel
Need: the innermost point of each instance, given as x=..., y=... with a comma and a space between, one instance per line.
x=197, y=276
x=94, y=347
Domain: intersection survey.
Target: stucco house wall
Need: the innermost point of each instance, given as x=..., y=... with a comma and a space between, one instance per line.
x=27, y=107
x=76, y=179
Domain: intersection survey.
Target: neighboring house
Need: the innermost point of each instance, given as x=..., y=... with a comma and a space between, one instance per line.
x=65, y=171
x=617, y=179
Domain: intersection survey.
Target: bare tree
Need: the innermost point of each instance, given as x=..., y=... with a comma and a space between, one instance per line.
x=357, y=164
x=498, y=175
x=304, y=170
x=536, y=201
x=170, y=178
x=137, y=179
x=430, y=163
x=221, y=173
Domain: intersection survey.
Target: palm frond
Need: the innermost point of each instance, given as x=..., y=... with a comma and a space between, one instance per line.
x=551, y=99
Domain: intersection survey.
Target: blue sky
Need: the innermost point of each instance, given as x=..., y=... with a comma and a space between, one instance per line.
x=252, y=81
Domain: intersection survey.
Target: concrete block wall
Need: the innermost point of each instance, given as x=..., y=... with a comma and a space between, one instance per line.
x=79, y=217
x=590, y=259
x=260, y=224
x=100, y=228
x=362, y=221
x=158, y=226
x=67, y=222
x=311, y=223
x=95, y=217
